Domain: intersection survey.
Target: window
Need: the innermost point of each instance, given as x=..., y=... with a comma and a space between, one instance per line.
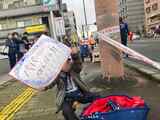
x=3, y=26
x=20, y=24
x=27, y=22
x=17, y=4
x=24, y=23
x=38, y=2
x=40, y=20
x=148, y=10
x=155, y=6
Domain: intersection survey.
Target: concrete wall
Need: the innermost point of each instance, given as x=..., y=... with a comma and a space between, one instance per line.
x=107, y=16
x=107, y=13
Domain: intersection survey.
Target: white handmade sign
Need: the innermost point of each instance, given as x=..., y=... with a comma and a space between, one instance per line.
x=41, y=65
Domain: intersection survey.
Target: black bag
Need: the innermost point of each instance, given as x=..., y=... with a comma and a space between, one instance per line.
x=3, y=52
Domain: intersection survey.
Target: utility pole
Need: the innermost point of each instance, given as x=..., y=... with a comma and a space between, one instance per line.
x=85, y=17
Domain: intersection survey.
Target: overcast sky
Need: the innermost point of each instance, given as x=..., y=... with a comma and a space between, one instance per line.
x=77, y=7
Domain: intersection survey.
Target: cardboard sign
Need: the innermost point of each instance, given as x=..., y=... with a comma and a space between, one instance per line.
x=41, y=65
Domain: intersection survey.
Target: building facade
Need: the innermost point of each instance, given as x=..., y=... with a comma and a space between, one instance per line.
x=17, y=15
x=123, y=8
x=133, y=12
x=152, y=14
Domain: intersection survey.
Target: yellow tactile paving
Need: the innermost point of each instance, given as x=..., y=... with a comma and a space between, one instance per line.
x=9, y=111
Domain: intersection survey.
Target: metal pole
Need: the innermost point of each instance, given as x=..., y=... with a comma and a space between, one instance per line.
x=53, y=31
x=85, y=17
x=61, y=13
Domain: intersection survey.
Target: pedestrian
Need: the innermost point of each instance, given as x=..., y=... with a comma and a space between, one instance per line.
x=124, y=31
x=67, y=42
x=12, y=46
x=96, y=37
x=130, y=36
x=92, y=42
x=20, y=45
x=26, y=41
x=70, y=88
x=84, y=49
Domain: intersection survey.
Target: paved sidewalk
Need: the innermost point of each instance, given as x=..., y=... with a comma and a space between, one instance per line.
x=42, y=105
x=5, y=78
x=4, y=67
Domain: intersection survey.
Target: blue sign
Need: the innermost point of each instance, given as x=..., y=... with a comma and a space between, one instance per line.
x=49, y=2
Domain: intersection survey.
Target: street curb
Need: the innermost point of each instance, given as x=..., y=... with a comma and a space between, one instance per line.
x=153, y=75
x=4, y=79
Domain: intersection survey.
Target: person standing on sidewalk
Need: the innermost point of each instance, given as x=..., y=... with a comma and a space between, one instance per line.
x=67, y=42
x=124, y=31
x=11, y=44
x=20, y=45
x=92, y=42
x=85, y=50
x=26, y=41
x=70, y=88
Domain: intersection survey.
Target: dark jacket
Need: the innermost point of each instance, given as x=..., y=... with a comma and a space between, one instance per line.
x=20, y=44
x=124, y=29
x=75, y=73
x=26, y=42
x=11, y=44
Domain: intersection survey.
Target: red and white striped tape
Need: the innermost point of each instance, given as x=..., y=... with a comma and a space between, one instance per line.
x=129, y=51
